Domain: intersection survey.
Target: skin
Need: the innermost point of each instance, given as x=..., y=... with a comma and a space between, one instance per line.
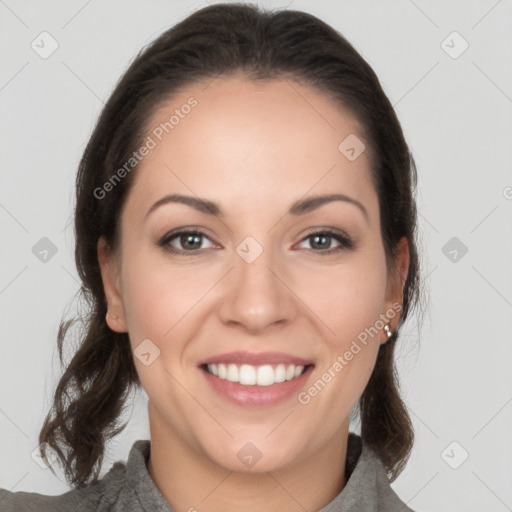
x=254, y=149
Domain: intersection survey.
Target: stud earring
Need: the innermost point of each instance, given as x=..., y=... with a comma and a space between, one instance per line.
x=389, y=333
x=113, y=316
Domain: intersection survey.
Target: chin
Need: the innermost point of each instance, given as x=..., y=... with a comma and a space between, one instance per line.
x=256, y=456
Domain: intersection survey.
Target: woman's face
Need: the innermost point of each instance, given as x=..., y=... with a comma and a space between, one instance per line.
x=272, y=286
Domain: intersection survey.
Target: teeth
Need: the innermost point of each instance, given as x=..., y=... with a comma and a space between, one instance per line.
x=280, y=373
x=265, y=376
x=232, y=374
x=249, y=375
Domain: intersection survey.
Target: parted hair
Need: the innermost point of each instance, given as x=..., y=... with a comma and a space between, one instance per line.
x=214, y=41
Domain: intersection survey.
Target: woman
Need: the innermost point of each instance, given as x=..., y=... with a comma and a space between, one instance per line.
x=245, y=233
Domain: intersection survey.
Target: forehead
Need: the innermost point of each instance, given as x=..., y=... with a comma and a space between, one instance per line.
x=254, y=142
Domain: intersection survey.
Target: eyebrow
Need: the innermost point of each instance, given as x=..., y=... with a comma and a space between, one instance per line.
x=300, y=207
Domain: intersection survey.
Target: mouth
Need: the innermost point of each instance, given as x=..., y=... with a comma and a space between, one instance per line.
x=250, y=375
x=250, y=379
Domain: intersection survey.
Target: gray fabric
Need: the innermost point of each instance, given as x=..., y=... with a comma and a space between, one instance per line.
x=129, y=487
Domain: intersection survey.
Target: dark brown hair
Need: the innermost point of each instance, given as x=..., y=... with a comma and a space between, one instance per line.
x=214, y=41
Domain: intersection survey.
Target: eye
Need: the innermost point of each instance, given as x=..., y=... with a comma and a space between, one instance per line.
x=187, y=242
x=321, y=242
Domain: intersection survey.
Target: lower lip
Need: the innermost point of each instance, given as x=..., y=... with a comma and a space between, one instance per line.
x=257, y=396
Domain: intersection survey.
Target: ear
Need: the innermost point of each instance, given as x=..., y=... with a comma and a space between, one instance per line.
x=110, y=272
x=395, y=288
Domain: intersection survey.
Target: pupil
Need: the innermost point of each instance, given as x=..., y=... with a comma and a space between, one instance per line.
x=191, y=238
x=320, y=237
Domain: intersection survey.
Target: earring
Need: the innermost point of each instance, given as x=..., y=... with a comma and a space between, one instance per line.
x=113, y=316
x=388, y=332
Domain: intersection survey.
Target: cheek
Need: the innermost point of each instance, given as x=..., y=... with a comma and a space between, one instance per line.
x=158, y=300
x=347, y=298
x=157, y=295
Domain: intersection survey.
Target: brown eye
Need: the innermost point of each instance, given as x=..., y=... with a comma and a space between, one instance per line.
x=183, y=242
x=321, y=242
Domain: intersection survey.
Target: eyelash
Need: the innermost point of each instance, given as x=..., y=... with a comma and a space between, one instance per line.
x=345, y=241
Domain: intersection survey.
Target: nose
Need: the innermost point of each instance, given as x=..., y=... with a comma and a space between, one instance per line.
x=256, y=295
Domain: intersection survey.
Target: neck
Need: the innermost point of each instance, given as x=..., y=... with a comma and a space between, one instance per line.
x=190, y=481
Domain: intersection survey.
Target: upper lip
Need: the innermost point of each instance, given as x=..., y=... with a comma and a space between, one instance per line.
x=256, y=358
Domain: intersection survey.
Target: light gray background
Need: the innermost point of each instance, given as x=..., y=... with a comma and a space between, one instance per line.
x=457, y=117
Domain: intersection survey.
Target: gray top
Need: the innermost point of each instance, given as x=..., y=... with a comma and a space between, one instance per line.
x=129, y=487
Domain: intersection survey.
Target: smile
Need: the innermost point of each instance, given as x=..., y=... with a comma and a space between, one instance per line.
x=249, y=375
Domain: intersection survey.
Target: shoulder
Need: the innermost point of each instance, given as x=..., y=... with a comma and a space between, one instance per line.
x=379, y=490
x=368, y=487
x=98, y=496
